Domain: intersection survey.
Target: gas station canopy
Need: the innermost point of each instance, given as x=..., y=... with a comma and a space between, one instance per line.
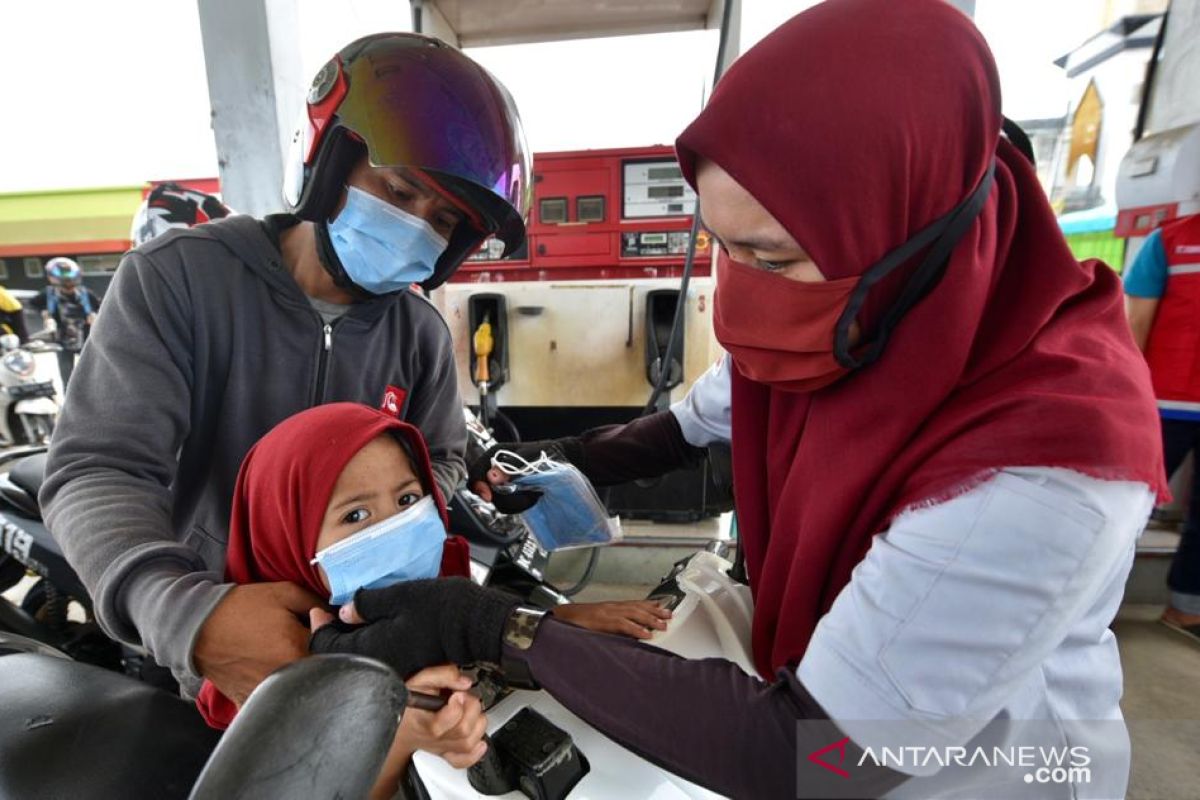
x=253, y=121
x=477, y=23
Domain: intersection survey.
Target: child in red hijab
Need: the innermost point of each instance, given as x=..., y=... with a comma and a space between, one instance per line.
x=343, y=496
x=317, y=479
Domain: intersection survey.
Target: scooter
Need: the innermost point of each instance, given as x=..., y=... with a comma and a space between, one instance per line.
x=545, y=752
x=26, y=548
x=320, y=727
x=28, y=398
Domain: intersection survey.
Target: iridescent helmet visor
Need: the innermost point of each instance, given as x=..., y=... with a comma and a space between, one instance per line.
x=418, y=103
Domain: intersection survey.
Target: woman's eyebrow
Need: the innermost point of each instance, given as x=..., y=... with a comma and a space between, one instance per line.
x=750, y=243
x=769, y=245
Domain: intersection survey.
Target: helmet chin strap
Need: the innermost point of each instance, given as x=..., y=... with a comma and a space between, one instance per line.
x=333, y=265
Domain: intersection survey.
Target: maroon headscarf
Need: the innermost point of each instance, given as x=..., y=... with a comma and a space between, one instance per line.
x=283, y=490
x=856, y=124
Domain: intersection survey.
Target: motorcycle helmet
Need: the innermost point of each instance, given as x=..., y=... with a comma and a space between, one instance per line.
x=63, y=271
x=170, y=205
x=406, y=100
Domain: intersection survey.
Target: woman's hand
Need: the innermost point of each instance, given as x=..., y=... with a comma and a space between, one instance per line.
x=416, y=624
x=456, y=732
x=638, y=619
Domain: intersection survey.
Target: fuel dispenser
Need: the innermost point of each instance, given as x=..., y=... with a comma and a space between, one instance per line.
x=660, y=318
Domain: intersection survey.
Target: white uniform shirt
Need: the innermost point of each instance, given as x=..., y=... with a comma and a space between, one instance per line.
x=704, y=413
x=979, y=623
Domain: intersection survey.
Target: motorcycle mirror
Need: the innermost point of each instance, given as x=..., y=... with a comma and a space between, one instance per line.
x=319, y=727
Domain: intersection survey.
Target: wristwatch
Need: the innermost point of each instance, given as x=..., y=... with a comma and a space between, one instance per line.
x=519, y=631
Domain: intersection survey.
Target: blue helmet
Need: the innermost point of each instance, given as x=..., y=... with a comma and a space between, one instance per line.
x=62, y=270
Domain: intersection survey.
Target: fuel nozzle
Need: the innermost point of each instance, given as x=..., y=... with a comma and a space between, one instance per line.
x=483, y=350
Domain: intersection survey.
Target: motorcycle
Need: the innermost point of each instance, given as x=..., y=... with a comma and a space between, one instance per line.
x=545, y=752
x=320, y=727
x=28, y=398
x=27, y=549
x=504, y=553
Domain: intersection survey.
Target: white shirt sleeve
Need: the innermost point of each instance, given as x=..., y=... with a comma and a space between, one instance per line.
x=956, y=606
x=704, y=413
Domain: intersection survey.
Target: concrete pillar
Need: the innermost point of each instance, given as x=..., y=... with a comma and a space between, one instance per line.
x=733, y=40
x=429, y=20
x=256, y=90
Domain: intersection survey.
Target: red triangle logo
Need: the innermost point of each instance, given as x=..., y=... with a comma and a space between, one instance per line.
x=840, y=747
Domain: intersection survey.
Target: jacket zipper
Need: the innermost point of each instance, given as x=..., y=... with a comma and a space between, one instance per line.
x=323, y=362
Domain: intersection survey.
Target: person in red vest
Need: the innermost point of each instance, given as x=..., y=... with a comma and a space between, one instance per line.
x=1162, y=289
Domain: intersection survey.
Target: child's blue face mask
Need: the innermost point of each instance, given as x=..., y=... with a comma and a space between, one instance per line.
x=382, y=248
x=404, y=547
x=568, y=513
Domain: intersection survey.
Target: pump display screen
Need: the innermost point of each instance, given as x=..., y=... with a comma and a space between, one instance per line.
x=655, y=189
x=664, y=173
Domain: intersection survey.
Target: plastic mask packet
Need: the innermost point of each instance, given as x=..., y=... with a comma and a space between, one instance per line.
x=568, y=512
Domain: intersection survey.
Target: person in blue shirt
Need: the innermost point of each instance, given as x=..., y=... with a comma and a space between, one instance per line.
x=1162, y=288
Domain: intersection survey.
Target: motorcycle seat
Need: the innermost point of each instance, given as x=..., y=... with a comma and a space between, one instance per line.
x=28, y=474
x=75, y=730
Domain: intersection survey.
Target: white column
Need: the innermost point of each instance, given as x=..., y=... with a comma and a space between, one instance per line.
x=256, y=89
x=733, y=39
x=429, y=20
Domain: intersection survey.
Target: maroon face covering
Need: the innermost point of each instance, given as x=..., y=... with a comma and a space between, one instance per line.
x=1020, y=356
x=283, y=490
x=779, y=331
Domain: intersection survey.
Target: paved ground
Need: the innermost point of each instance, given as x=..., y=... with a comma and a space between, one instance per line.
x=1162, y=705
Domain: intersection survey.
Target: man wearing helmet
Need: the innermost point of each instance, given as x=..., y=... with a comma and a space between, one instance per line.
x=409, y=156
x=68, y=310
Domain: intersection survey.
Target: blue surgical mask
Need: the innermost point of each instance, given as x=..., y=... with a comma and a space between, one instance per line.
x=568, y=513
x=382, y=248
x=404, y=547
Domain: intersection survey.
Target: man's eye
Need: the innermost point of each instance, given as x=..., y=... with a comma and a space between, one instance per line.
x=398, y=192
x=408, y=499
x=771, y=266
x=356, y=516
x=448, y=223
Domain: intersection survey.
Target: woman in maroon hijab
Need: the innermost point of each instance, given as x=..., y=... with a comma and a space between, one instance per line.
x=944, y=447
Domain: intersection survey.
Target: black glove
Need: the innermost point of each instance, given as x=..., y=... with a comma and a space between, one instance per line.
x=418, y=624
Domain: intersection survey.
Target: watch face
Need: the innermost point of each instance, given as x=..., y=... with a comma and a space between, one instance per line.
x=522, y=625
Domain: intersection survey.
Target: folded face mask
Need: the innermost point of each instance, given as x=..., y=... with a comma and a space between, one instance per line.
x=568, y=513
x=404, y=547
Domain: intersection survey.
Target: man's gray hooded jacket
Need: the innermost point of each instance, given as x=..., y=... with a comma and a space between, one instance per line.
x=204, y=344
